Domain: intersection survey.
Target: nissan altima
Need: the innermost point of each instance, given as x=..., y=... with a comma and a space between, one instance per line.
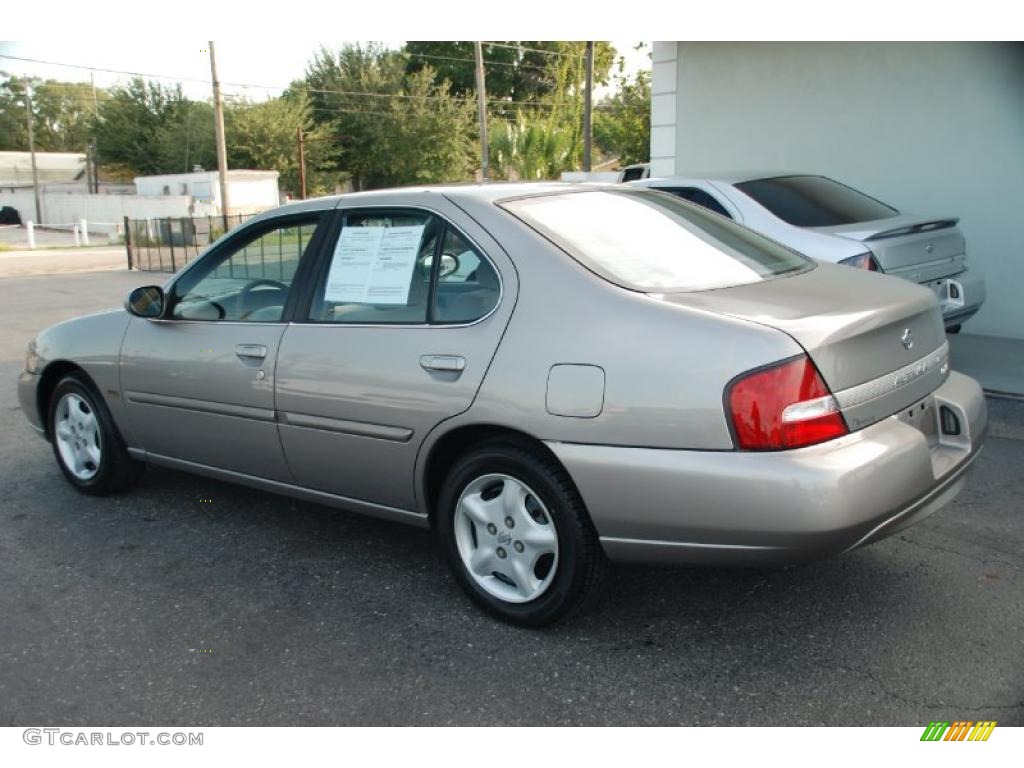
x=551, y=377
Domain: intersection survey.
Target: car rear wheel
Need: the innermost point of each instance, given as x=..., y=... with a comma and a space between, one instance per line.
x=88, y=449
x=517, y=535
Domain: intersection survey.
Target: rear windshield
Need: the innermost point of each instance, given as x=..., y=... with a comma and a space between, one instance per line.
x=654, y=242
x=815, y=201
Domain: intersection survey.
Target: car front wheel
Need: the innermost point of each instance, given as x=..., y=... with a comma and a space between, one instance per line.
x=517, y=535
x=88, y=449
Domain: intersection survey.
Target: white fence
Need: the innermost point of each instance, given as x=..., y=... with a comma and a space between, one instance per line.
x=103, y=212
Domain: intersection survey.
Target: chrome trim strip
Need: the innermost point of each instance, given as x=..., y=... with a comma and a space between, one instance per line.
x=201, y=406
x=894, y=381
x=360, y=428
x=689, y=544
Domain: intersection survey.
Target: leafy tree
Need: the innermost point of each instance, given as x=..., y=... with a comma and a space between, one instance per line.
x=530, y=149
x=61, y=113
x=624, y=128
x=389, y=127
x=150, y=129
x=454, y=62
x=186, y=137
x=516, y=70
x=264, y=135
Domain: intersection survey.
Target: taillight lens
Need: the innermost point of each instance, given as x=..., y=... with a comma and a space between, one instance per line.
x=783, y=406
x=862, y=261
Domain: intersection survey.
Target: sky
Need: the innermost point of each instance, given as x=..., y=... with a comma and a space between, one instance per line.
x=254, y=70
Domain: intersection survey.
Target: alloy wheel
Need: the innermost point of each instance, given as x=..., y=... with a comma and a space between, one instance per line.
x=506, y=538
x=77, y=432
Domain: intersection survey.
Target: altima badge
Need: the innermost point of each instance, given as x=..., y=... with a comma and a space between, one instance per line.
x=929, y=248
x=907, y=338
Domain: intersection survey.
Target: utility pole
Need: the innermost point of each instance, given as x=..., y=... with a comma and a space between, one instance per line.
x=481, y=97
x=89, y=164
x=588, y=106
x=32, y=151
x=222, y=152
x=94, y=184
x=302, y=164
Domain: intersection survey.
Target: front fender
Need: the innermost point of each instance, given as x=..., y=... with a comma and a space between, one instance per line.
x=92, y=343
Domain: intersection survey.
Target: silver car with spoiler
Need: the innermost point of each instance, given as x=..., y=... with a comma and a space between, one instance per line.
x=836, y=223
x=549, y=376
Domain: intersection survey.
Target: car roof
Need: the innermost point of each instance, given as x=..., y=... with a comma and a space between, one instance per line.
x=728, y=177
x=491, y=191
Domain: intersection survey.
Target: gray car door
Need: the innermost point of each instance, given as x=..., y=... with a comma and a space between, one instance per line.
x=198, y=383
x=404, y=318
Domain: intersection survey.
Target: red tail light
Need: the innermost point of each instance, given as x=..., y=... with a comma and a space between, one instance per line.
x=862, y=261
x=784, y=406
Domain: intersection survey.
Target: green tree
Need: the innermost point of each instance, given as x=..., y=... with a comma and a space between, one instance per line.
x=186, y=137
x=149, y=128
x=61, y=113
x=622, y=127
x=388, y=127
x=516, y=70
x=264, y=136
x=530, y=149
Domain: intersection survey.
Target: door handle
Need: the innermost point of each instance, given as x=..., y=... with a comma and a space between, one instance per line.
x=251, y=351
x=449, y=363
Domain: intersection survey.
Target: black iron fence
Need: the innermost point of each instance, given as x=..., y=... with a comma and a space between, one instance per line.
x=166, y=245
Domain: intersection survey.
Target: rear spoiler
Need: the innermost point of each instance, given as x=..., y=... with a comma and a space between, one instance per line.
x=913, y=229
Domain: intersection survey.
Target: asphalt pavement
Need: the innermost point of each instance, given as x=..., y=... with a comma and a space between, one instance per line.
x=193, y=602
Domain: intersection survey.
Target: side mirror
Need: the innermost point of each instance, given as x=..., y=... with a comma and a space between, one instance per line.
x=147, y=301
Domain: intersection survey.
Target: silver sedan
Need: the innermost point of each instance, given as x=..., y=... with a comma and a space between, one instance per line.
x=836, y=223
x=551, y=377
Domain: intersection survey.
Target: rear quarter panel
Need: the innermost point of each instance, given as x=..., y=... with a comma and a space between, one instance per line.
x=665, y=367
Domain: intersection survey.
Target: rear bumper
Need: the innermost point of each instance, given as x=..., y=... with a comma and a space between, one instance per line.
x=960, y=296
x=745, y=508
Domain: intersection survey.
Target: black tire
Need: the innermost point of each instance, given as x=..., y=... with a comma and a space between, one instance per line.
x=581, y=564
x=117, y=470
x=953, y=329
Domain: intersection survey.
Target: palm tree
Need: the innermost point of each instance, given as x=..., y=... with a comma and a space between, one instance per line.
x=530, y=149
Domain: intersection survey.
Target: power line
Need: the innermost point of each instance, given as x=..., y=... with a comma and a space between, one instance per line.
x=535, y=50
x=487, y=62
x=365, y=94
x=103, y=69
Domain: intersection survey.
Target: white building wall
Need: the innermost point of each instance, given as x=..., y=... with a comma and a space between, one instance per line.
x=248, y=192
x=664, y=109
x=66, y=209
x=933, y=128
x=252, y=195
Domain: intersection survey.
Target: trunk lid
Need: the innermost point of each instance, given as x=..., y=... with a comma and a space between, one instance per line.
x=908, y=246
x=878, y=343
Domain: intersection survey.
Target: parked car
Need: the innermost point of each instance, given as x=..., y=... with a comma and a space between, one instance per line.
x=836, y=223
x=550, y=376
x=635, y=172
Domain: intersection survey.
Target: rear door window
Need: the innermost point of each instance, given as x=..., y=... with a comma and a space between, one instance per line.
x=815, y=201
x=652, y=242
x=382, y=271
x=379, y=271
x=467, y=285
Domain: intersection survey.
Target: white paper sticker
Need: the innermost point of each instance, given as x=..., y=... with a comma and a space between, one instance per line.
x=373, y=265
